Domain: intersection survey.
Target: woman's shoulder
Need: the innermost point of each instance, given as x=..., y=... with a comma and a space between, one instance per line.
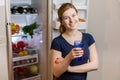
x=58, y=37
x=56, y=43
x=88, y=38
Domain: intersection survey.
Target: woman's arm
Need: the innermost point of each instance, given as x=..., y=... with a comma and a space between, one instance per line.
x=90, y=66
x=61, y=67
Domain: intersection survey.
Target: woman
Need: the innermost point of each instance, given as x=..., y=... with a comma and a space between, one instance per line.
x=65, y=66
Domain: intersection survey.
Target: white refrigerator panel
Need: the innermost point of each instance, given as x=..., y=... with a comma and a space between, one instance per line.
x=3, y=43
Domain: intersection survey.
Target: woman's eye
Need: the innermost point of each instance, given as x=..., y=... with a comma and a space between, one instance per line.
x=73, y=15
x=65, y=18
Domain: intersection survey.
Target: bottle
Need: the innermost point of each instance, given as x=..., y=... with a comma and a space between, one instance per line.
x=20, y=10
x=24, y=38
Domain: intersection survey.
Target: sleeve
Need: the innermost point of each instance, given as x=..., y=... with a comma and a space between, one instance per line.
x=90, y=39
x=55, y=45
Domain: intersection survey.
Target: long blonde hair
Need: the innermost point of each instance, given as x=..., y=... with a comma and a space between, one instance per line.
x=61, y=10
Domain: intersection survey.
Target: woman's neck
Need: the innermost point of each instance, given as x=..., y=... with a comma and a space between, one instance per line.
x=72, y=33
x=71, y=36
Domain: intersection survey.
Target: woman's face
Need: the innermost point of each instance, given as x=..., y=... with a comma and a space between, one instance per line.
x=70, y=19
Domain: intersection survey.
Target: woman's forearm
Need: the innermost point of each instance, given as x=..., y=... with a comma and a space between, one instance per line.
x=90, y=66
x=61, y=67
x=83, y=68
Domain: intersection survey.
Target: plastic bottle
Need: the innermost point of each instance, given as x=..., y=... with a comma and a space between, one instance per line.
x=25, y=39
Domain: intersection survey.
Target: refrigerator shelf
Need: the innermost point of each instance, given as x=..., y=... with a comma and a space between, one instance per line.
x=19, y=35
x=24, y=19
x=25, y=60
x=19, y=2
x=25, y=57
x=25, y=65
x=17, y=14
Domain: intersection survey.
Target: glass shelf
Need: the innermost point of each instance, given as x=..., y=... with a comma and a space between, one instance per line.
x=19, y=15
x=16, y=2
x=25, y=60
x=25, y=57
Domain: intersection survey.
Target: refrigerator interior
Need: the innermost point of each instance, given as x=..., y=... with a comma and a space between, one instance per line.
x=27, y=39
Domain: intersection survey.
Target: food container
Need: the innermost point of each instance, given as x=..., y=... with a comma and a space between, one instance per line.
x=32, y=50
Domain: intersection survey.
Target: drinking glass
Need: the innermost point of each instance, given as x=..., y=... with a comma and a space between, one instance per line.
x=78, y=44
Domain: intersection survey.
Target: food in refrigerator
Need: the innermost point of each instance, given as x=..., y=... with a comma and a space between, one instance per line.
x=25, y=40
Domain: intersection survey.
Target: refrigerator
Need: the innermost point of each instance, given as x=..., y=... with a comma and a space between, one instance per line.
x=28, y=34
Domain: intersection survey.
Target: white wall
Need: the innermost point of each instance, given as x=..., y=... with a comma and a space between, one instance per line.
x=104, y=24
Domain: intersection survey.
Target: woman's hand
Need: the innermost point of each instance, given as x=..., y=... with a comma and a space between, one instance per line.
x=69, y=68
x=76, y=52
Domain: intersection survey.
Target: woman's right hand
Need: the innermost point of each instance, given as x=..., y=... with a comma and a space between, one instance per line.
x=76, y=52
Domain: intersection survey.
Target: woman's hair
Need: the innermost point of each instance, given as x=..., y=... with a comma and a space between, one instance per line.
x=61, y=10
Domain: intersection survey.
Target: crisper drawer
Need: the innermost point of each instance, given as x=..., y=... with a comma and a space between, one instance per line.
x=38, y=77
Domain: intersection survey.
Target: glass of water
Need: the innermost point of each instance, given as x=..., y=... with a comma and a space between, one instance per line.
x=78, y=44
